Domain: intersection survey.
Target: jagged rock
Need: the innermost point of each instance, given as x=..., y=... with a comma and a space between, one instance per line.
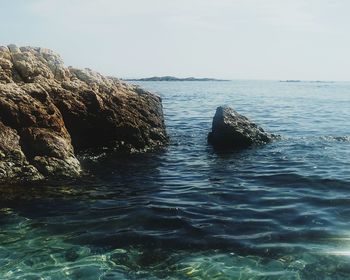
x=40, y=127
x=13, y=163
x=48, y=112
x=232, y=130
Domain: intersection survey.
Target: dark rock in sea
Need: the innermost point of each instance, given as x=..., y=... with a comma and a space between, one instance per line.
x=231, y=130
x=48, y=112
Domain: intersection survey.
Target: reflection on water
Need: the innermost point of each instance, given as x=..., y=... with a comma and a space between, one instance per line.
x=274, y=212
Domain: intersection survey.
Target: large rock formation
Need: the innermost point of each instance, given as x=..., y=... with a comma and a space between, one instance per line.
x=48, y=112
x=232, y=130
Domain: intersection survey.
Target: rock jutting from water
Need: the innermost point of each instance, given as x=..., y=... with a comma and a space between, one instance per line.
x=48, y=112
x=230, y=130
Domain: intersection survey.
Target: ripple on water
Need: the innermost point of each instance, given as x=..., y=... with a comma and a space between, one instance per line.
x=189, y=212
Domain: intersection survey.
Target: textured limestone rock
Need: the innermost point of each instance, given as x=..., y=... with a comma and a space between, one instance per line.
x=48, y=112
x=13, y=162
x=39, y=124
x=232, y=130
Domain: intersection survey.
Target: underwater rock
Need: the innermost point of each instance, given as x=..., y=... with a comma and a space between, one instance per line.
x=48, y=112
x=232, y=130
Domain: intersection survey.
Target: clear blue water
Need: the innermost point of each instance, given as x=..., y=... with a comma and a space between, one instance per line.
x=280, y=211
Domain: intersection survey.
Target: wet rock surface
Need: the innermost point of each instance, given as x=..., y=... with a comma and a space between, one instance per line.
x=49, y=112
x=231, y=130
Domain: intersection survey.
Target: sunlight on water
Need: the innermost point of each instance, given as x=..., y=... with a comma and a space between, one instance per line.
x=27, y=252
x=275, y=212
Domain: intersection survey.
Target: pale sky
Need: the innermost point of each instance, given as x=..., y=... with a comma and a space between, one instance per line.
x=233, y=39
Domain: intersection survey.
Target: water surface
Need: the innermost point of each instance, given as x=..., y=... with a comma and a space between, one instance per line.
x=275, y=212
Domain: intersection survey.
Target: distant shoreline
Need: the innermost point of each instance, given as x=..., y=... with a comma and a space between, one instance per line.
x=175, y=79
x=301, y=81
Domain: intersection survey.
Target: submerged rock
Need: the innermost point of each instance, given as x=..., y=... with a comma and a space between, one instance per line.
x=232, y=130
x=48, y=112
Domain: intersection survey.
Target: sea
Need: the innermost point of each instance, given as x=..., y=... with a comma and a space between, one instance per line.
x=279, y=211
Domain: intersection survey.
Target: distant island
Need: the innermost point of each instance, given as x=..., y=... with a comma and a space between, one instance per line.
x=291, y=81
x=175, y=79
x=299, y=81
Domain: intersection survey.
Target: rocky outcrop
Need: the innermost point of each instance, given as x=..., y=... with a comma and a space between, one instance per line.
x=49, y=112
x=232, y=130
x=13, y=162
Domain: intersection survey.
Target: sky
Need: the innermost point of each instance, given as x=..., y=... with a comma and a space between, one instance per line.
x=229, y=39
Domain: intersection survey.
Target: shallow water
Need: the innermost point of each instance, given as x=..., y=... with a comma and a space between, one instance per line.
x=275, y=212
